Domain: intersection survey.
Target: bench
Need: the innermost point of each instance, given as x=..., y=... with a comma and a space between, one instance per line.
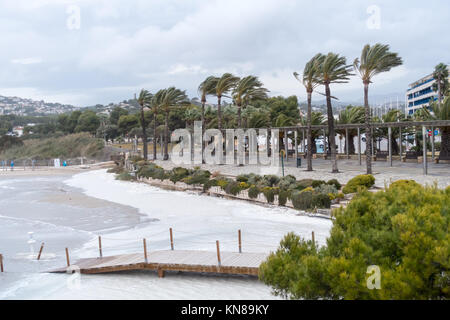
x=443, y=157
x=411, y=155
x=381, y=155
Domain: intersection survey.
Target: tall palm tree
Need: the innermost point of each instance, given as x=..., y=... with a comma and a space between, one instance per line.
x=374, y=60
x=172, y=98
x=311, y=81
x=247, y=89
x=441, y=85
x=207, y=87
x=144, y=100
x=224, y=85
x=350, y=115
x=333, y=69
x=155, y=105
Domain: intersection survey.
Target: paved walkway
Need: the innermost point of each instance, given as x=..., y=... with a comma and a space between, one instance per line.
x=439, y=173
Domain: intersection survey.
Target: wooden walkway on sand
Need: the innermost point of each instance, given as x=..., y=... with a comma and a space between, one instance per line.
x=244, y=263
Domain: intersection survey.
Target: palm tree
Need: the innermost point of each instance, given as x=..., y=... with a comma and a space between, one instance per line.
x=224, y=85
x=247, y=89
x=350, y=115
x=441, y=85
x=311, y=81
x=144, y=101
x=374, y=60
x=207, y=87
x=191, y=115
x=333, y=69
x=172, y=98
x=317, y=119
x=155, y=105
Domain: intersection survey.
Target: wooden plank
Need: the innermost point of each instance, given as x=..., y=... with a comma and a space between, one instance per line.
x=168, y=260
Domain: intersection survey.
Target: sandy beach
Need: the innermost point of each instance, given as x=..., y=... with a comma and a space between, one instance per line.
x=70, y=210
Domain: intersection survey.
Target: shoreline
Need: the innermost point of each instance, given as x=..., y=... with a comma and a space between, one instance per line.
x=52, y=171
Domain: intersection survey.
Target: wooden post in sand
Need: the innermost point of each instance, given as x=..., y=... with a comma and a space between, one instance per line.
x=67, y=257
x=100, y=246
x=171, y=239
x=40, y=251
x=240, y=241
x=145, y=250
x=218, y=252
x=1, y=262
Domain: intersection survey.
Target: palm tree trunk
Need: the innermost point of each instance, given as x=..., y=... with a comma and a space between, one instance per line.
x=368, y=132
x=309, y=136
x=144, y=134
x=219, y=113
x=439, y=90
x=203, y=128
x=239, y=116
x=166, y=136
x=332, y=135
x=154, y=135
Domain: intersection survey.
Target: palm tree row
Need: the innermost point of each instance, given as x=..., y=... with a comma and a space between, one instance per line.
x=332, y=68
x=164, y=100
x=242, y=92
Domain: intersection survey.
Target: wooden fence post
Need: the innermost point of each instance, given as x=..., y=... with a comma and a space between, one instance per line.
x=40, y=251
x=218, y=252
x=100, y=246
x=171, y=239
x=240, y=241
x=1, y=263
x=313, y=238
x=67, y=257
x=145, y=250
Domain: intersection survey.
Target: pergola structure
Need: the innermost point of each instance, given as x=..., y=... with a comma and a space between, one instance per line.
x=361, y=126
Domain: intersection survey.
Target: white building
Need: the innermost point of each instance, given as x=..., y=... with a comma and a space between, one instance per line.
x=420, y=93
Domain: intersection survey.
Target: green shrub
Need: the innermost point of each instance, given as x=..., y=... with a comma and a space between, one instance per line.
x=178, y=174
x=148, y=171
x=326, y=189
x=360, y=181
x=199, y=177
x=242, y=178
x=223, y=182
x=270, y=180
x=302, y=200
x=402, y=230
x=125, y=176
x=321, y=201
x=283, y=196
x=336, y=183
x=160, y=174
x=287, y=182
x=268, y=194
x=244, y=185
x=317, y=183
x=253, y=192
x=254, y=179
x=304, y=183
x=233, y=188
x=208, y=184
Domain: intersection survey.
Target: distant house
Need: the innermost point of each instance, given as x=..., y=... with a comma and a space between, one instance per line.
x=18, y=131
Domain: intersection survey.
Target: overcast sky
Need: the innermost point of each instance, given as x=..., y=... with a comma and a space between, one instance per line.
x=117, y=47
